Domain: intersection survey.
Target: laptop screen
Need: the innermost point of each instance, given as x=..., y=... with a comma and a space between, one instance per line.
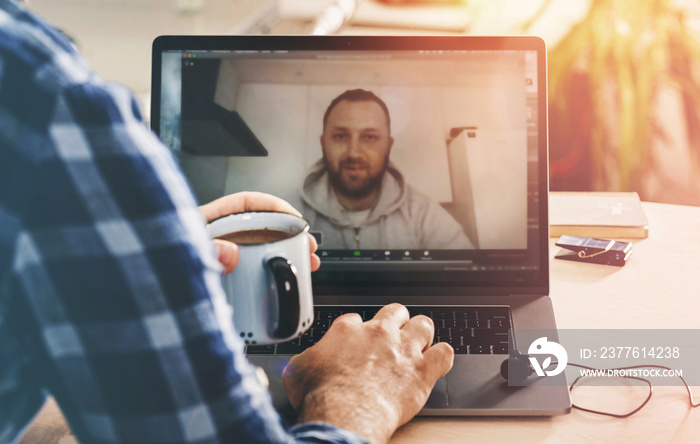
x=419, y=162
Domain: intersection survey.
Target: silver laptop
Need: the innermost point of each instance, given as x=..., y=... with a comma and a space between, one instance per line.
x=421, y=165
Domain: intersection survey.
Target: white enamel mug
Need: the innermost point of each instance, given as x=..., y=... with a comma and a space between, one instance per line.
x=270, y=289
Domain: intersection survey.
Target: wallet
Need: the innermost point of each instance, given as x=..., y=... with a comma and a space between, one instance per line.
x=594, y=251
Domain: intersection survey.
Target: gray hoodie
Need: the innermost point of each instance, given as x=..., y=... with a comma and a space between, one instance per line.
x=403, y=218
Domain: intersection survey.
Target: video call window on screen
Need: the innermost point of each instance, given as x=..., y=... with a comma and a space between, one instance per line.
x=389, y=157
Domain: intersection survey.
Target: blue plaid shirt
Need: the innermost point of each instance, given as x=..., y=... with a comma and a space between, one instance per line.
x=110, y=293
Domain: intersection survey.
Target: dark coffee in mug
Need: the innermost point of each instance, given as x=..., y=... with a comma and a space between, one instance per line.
x=259, y=236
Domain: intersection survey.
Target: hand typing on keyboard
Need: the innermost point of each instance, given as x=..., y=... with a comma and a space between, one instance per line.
x=368, y=377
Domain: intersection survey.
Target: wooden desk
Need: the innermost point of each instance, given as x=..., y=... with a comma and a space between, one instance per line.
x=658, y=288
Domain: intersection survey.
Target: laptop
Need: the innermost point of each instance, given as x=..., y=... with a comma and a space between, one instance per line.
x=462, y=235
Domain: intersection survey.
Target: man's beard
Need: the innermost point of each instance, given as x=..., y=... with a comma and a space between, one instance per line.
x=354, y=190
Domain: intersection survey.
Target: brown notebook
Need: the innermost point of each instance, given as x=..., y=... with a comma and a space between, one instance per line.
x=597, y=214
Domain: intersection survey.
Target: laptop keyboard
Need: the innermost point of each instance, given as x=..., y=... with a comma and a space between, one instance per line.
x=478, y=330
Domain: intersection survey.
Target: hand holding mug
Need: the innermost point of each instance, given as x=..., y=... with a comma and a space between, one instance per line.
x=270, y=287
x=227, y=252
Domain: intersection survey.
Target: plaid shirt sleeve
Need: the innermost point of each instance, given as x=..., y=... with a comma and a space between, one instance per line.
x=110, y=294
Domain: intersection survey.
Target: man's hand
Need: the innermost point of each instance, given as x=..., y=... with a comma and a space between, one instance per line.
x=227, y=252
x=371, y=377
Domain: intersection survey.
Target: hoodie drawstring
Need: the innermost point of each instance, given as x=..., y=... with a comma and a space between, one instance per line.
x=357, y=237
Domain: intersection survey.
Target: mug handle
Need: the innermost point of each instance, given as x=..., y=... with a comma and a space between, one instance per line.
x=285, y=274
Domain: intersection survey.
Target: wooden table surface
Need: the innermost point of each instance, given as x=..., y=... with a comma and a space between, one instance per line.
x=658, y=288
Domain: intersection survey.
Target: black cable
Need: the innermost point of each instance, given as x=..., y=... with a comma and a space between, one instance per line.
x=648, y=398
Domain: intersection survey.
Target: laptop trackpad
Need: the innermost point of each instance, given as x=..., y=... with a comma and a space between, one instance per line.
x=438, y=397
x=475, y=386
